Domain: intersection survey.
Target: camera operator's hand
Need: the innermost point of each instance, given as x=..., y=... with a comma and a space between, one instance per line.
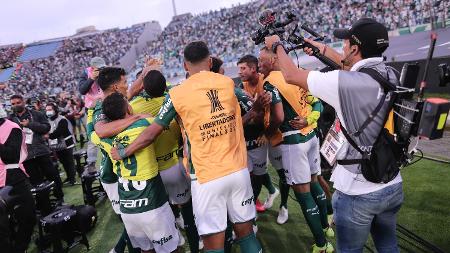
x=320, y=46
x=95, y=73
x=269, y=41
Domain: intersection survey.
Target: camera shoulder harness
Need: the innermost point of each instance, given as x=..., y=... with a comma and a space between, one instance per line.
x=379, y=165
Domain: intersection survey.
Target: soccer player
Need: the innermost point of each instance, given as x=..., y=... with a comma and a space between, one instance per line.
x=210, y=115
x=171, y=169
x=110, y=80
x=300, y=151
x=143, y=199
x=257, y=144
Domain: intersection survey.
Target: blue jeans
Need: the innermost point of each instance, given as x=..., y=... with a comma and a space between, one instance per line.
x=376, y=212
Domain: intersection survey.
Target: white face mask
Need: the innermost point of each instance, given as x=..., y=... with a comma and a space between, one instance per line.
x=3, y=113
x=50, y=114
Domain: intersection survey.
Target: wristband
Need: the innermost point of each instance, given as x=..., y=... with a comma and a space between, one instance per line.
x=275, y=46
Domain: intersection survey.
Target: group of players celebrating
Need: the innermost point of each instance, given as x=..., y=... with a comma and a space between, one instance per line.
x=204, y=146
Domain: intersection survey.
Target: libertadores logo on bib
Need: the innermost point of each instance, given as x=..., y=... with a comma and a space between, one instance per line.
x=215, y=102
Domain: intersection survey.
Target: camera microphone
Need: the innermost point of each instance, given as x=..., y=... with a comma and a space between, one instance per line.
x=312, y=32
x=266, y=17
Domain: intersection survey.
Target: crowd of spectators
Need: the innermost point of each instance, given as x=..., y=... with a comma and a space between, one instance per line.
x=60, y=71
x=227, y=31
x=8, y=54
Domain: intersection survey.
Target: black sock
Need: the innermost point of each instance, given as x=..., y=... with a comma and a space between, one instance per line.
x=256, y=185
x=190, y=227
x=284, y=188
x=228, y=237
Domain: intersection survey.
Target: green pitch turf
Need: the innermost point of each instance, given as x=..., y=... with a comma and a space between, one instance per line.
x=425, y=212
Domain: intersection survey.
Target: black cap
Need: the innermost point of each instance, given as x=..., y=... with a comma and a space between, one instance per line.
x=371, y=36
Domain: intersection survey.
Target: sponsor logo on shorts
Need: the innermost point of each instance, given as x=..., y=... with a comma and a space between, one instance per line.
x=180, y=195
x=134, y=203
x=163, y=240
x=247, y=201
x=261, y=165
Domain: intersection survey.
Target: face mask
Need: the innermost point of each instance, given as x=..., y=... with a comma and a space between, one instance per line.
x=50, y=114
x=18, y=108
x=3, y=113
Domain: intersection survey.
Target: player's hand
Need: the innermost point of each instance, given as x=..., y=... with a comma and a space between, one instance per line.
x=95, y=73
x=298, y=123
x=269, y=41
x=115, y=154
x=309, y=50
x=25, y=122
x=262, y=101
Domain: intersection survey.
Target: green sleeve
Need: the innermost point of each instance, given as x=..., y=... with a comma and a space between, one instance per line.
x=317, y=109
x=274, y=91
x=167, y=113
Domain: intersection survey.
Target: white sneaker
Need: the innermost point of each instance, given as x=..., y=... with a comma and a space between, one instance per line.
x=282, y=215
x=112, y=251
x=200, y=244
x=180, y=222
x=181, y=242
x=269, y=201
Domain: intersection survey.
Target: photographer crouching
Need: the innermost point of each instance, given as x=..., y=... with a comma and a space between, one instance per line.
x=361, y=204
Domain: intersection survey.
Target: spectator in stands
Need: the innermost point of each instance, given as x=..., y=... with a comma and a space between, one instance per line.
x=89, y=88
x=38, y=162
x=61, y=141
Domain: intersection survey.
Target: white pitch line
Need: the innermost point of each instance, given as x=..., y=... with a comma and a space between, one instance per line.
x=443, y=44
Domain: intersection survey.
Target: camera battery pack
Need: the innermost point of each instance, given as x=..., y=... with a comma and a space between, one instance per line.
x=434, y=118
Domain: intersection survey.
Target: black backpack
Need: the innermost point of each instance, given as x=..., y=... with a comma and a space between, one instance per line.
x=382, y=163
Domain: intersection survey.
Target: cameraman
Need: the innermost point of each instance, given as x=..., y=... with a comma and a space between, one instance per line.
x=359, y=206
x=87, y=86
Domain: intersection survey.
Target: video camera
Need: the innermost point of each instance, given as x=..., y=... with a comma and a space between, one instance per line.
x=272, y=26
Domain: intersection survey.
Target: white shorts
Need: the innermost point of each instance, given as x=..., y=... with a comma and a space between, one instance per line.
x=230, y=196
x=257, y=160
x=275, y=157
x=113, y=195
x=300, y=161
x=154, y=229
x=177, y=184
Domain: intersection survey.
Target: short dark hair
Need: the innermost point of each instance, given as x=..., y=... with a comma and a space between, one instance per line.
x=251, y=61
x=16, y=96
x=54, y=107
x=196, y=51
x=115, y=106
x=155, y=83
x=216, y=64
x=109, y=76
x=366, y=52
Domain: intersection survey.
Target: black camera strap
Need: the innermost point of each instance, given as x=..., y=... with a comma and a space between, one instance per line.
x=387, y=87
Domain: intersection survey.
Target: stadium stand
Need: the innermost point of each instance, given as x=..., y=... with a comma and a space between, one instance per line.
x=227, y=30
x=39, y=51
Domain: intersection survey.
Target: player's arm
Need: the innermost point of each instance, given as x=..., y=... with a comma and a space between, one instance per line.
x=317, y=109
x=138, y=84
x=148, y=136
x=105, y=129
x=312, y=118
x=276, y=109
